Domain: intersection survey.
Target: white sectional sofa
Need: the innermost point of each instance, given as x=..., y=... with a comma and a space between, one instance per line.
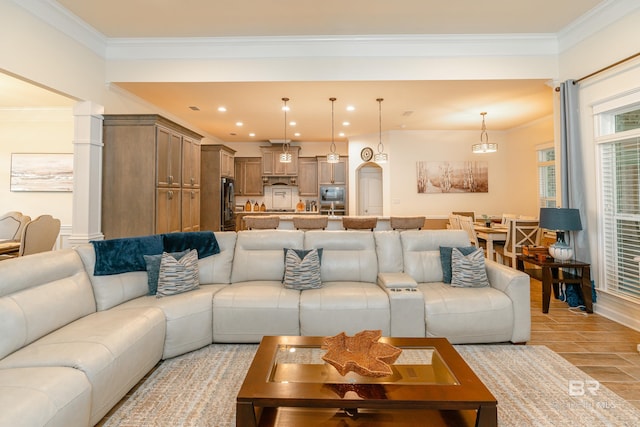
x=72, y=344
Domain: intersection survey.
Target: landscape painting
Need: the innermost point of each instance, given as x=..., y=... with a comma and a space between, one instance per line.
x=41, y=172
x=453, y=177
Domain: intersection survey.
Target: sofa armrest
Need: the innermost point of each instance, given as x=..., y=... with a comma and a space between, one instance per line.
x=515, y=284
x=396, y=281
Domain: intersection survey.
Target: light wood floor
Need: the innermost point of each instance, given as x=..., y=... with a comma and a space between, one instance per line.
x=602, y=348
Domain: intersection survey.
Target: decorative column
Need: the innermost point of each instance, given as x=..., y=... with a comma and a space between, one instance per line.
x=87, y=173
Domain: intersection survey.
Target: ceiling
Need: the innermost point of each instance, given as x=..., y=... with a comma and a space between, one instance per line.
x=408, y=105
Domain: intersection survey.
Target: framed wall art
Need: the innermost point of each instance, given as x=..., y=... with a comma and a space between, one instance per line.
x=50, y=172
x=453, y=177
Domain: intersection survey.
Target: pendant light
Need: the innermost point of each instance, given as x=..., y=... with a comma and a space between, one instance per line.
x=484, y=146
x=285, y=156
x=332, y=157
x=380, y=156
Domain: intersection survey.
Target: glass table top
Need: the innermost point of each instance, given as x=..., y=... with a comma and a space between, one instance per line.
x=304, y=364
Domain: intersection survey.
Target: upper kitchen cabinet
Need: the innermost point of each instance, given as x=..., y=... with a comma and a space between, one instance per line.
x=147, y=163
x=307, y=176
x=271, y=165
x=191, y=163
x=248, y=176
x=332, y=173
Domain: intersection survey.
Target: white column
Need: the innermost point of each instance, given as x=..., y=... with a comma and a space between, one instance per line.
x=87, y=173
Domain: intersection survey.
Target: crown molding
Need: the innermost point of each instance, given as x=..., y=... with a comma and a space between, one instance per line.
x=62, y=20
x=601, y=16
x=333, y=46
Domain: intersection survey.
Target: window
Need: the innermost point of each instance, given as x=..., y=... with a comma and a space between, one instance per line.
x=547, y=178
x=620, y=202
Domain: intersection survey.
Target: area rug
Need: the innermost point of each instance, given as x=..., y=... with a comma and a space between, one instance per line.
x=533, y=386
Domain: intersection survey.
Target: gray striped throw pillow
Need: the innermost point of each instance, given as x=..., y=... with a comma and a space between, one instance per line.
x=177, y=276
x=302, y=272
x=468, y=271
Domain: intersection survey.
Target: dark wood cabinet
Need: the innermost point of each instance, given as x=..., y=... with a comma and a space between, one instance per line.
x=146, y=159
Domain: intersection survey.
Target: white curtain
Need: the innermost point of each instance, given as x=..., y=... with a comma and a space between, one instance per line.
x=572, y=172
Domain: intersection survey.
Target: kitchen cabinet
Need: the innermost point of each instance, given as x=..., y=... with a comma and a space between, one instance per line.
x=191, y=163
x=144, y=165
x=332, y=173
x=271, y=165
x=248, y=175
x=191, y=209
x=308, y=177
x=214, y=165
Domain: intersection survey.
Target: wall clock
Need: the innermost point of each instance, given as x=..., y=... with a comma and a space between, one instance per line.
x=366, y=154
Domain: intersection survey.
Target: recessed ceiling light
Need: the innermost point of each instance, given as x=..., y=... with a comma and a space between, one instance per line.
x=341, y=134
x=239, y=123
x=345, y=123
x=351, y=108
x=252, y=134
x=194, y=108
x=222, y=109
x=292, y=123
x=296, y=134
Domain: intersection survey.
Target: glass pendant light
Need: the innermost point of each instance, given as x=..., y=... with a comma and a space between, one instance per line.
x=380, y=156
x=285, y=156
x=484, y=146
x=332, y=157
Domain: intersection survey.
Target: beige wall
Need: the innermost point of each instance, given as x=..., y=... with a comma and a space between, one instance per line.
x=37, y=131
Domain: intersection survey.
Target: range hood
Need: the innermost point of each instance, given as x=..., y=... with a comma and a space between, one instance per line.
x=280, y=181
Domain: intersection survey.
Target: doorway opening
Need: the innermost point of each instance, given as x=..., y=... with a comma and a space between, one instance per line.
x=369, y=197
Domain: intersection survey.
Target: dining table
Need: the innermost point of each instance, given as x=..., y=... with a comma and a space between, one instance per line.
x=494, y=233
x=8, y=246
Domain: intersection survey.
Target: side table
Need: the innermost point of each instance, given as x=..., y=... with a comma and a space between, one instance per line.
x=551, y=273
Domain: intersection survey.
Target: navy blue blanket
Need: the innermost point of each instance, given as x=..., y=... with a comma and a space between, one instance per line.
x=126, y=254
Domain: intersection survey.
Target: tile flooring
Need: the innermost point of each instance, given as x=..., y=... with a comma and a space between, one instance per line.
x=602, y=348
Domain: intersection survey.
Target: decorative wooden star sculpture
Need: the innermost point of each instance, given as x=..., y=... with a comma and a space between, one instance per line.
x=361, y=353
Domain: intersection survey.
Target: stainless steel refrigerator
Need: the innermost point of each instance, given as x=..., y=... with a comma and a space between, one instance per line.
x=227, y=205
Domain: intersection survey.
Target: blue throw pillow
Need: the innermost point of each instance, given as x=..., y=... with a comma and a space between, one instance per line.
x=204, y=242
x=153, y=269
x=445, y=259
x=122, y=255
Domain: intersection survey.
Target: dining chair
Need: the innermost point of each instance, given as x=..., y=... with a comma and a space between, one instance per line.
x=506, y=217
x=359, y=223
x=39, y=235
x=11, y=225
x=520, y=232
x=406, y=222
x=454, y=222
x=468, y=213
x=268, y=222
x=312, y=222
x=466, y=223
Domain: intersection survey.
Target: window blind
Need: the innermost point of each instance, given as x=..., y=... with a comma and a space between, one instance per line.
x=620, y=168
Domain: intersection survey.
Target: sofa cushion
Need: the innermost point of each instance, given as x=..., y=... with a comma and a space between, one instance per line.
x=153, y=269
x=421, y=251
x=258, y=254
x=467, y=315
x=389, y=251
x=344, y=306
x=178, y=276
x=247, y=311
x=36, y=301
x=302, y=269
x=346, y=255
x=468, y=271
x=44, y=396
x=113, y=348
x=445, y=259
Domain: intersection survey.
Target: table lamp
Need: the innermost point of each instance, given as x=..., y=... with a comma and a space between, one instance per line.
x=560, y=220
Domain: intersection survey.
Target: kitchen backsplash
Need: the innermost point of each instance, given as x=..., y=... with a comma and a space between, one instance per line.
x=275, y=198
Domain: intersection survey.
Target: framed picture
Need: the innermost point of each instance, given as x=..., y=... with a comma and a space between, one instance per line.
x=42, y=172
x=453, y=177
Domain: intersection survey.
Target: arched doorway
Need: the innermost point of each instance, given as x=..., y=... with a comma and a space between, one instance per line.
x=369, y=197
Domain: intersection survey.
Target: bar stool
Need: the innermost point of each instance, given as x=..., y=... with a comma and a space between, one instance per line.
x=262, y=222
x=313, y=222
x=407, y=222
x=359, y=223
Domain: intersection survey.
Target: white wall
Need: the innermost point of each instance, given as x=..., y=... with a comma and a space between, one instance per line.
x=34, y=131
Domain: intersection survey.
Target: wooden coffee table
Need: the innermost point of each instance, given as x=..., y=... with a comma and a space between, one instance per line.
x=289, y=384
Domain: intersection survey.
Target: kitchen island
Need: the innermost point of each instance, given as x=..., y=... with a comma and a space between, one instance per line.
x=286, y=220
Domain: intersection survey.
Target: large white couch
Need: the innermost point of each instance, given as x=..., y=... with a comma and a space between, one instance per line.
x=72, y=344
